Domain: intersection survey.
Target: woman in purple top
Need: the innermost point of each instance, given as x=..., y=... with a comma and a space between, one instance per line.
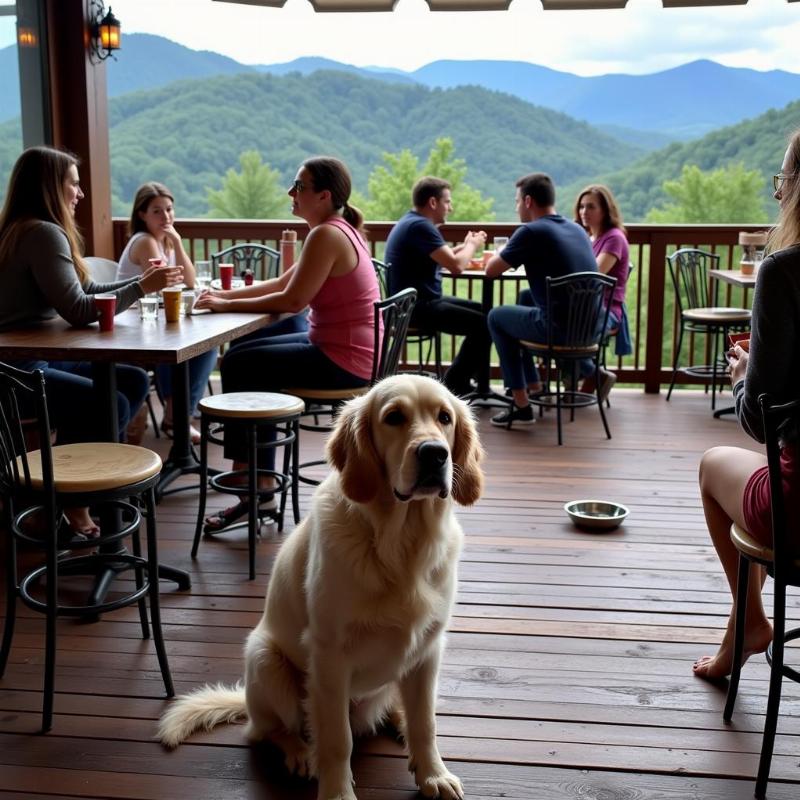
x=597, y=212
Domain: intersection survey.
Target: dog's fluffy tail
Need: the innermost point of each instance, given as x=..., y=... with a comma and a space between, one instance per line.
x=202, y=709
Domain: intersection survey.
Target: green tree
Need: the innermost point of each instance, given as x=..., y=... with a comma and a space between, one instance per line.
x=727, y=194
x=390, y=184
x=253, y=193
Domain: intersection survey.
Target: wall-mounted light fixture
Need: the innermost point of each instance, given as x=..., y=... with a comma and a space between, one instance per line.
x=105, y=34
x=26, y=37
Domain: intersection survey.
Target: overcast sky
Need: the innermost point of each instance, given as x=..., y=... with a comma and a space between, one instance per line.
x=641, y=38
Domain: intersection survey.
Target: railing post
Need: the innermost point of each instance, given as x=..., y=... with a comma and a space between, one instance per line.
x=655, y=311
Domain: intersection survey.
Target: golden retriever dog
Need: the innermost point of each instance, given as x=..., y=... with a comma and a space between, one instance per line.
x=360, y=595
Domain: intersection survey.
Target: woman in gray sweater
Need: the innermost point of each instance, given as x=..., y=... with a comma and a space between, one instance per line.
x=733, y=482
x=43, y=275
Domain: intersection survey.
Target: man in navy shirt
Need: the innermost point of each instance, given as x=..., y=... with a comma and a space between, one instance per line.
x=548, y=245
x=416, y=252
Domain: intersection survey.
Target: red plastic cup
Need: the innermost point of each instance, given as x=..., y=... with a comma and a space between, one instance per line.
x=225, y=275
x=106, y=305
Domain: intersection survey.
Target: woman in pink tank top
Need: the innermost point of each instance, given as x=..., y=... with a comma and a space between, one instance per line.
x=335, y=278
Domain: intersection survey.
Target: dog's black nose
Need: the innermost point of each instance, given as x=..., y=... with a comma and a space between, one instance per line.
x=432, y=456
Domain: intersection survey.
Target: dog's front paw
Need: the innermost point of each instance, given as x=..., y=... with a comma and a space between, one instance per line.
x=297, y=757
x=443, y=784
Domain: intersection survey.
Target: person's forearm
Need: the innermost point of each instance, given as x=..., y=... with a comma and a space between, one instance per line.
x=275, y=303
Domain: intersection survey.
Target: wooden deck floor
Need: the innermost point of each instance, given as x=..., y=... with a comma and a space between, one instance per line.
x=567, y=672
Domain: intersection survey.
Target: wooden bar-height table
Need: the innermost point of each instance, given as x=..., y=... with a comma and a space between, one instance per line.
x=135, y=342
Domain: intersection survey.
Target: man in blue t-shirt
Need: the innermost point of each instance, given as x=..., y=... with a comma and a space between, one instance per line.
x=548, y=245
x=416, y=252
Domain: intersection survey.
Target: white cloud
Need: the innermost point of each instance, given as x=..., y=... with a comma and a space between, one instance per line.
x=644, y=37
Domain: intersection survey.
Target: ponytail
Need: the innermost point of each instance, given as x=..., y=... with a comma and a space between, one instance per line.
x=354, y=217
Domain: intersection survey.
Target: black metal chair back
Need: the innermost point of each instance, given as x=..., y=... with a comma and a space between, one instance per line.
x=23, y=417
x=576, y=316
x=263, y=261
x=781, y=426
x=780, y=421
x=396, y=313
x=380, y=274
x=688, y=269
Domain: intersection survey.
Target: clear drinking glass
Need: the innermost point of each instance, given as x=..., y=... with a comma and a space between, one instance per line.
x=148, y=308
x=203, y=272
x=499, y=243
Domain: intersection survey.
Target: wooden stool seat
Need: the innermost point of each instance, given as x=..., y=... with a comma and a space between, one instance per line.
x=94, y=466
x=329, y=394
x=587, y=351
x=251, y=405
x=717, y=315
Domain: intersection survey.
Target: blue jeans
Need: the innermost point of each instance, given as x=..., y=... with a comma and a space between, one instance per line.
x=270, y=365
x=509, y=324
x=200, y=368
x=73, y=404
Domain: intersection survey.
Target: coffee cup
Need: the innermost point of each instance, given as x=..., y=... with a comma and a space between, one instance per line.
x=106, y=305
x=225, y=275
x=172, y=303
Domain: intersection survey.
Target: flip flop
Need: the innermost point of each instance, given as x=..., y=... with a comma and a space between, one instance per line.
x=224, y=519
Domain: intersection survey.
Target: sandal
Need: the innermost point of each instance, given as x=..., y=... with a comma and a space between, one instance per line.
x=224, y=519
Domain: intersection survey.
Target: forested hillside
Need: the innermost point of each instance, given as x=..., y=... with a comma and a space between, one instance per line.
x=189, y=133
x=757, y=143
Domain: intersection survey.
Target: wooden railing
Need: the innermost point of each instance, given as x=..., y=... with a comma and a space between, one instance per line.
x=649, y=298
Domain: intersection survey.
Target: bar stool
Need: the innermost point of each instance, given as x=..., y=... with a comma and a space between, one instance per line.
x=253, y=411
x=35, y=487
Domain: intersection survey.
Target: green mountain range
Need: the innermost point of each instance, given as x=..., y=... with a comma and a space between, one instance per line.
x=188, y=133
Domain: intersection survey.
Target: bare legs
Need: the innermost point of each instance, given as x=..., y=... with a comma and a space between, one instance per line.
x=724, y=472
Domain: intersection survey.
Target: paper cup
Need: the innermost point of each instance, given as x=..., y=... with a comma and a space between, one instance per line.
x=225, y=275
x=106, y=305
x=172, y=303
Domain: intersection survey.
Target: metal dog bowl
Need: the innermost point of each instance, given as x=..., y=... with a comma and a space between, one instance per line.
x=596, y=514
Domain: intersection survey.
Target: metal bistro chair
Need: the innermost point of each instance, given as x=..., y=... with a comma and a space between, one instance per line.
x=35, y=487
x=421, y=337
x=263, y=261
x=395, y=311
x=576, y=320
x=782, y=563
x=688, y=269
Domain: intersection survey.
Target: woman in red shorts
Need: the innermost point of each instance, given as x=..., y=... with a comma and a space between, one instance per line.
x=733, y=481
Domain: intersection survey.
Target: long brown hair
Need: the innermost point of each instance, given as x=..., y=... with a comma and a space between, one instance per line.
x=36, y=193
x=787, y=231
x=612, y=216
x=144, y=194
x=332, y=175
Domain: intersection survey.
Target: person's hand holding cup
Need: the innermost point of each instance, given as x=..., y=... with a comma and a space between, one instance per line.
x=158, y=277
x=738, y=355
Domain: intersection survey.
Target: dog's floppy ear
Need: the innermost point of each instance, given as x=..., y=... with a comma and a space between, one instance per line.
x=351, y=451
x=467, y=457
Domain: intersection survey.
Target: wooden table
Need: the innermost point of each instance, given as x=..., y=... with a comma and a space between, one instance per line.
x=135, y=342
